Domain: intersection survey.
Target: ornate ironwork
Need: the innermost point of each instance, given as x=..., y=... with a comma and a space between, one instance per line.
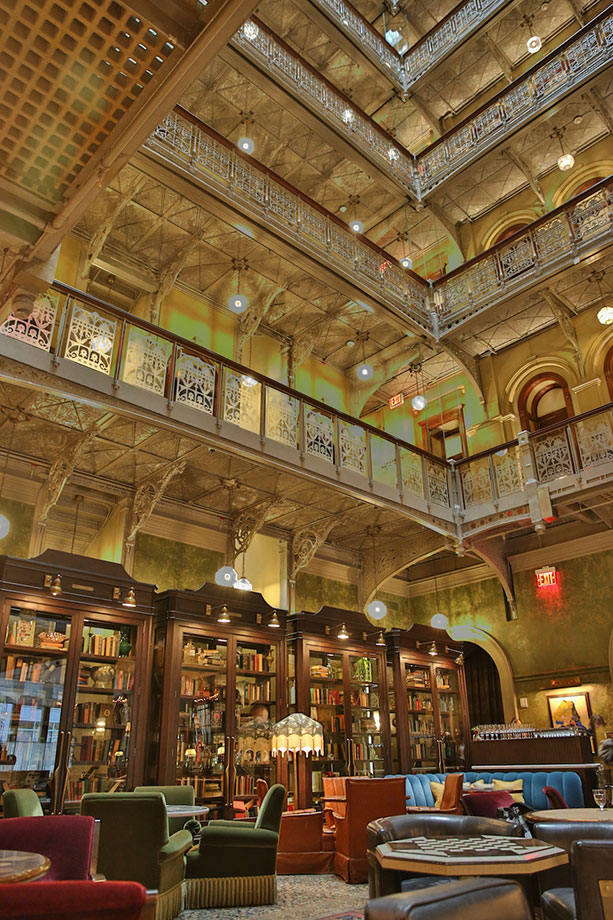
x=146, y=360
x=318, y=434
x=352, y=447
x=476, y=481
x=383, y=460
x=438, y=486
x=595, y=440
x=552, y=456
x=90, y=339
x=282, y=417
x=508, y=473
x=195, y=384
x=37, y=328
x=241, y=400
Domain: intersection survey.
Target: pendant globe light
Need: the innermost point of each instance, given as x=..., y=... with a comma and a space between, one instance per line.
x=237, y=302
x=419, y=401
x=226, y=575
x=566, y=160
x=439, y=620
x=243, y=583
x=364, y=370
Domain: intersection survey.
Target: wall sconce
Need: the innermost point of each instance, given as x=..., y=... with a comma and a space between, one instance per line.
x=380, y=639
x=130, y=599
x=432, y=649
x=224, y=616
x=455, y=651
x=342, y=633
x=274, y=622
x=54, y=583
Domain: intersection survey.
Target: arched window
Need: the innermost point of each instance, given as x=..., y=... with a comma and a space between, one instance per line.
x=608, y=370
x=583, y=186
x=509, y=231
x=545, y=400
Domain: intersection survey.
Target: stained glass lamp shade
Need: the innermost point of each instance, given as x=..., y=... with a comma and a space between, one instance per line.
x=296, y=733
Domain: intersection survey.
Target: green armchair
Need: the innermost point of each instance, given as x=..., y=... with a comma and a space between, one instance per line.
x=235, y=864
x=174, y=795
x=21, y=803
x=135, y=845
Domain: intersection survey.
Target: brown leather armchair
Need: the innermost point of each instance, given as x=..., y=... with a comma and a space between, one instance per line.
x=470, y=899
x=591, y=896
x=564, y=834
x=388, y=881
x=366, y=799
x=303, y=846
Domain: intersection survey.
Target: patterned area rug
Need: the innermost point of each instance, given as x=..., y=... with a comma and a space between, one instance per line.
x=301, y=897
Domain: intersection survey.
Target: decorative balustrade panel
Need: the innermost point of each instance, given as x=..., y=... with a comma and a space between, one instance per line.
x=383, y=460
x=438, y=485
x=146, y=360
x=508, y=473
x=195, y=382
x=595, y=440
x=352, y=447
x=282, y=417
x=37, y=328
x=543, y=85
x=552, y=455
x=90, y=339
x=411, y=466
x=241, y=400
x=318, y=434
x=476, y=481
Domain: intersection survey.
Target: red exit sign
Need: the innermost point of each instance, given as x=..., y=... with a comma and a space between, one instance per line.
x=546, y=577
x=396, y=400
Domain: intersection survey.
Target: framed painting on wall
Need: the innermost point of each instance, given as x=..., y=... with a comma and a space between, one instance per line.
x=570, y=709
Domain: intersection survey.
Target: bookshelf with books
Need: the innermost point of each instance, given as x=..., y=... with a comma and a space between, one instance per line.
x=340, y=682
x=217, y=689
x=431, y=704
x=70, y=664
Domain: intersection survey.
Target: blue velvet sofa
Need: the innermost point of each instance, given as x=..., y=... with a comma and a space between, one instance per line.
x=567, y=783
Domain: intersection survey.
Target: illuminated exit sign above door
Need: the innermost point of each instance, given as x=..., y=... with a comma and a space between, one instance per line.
x=546, y=577
x=396, y=400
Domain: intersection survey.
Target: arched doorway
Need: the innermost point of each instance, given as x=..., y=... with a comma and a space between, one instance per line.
x=478, y=636
x=482, y=686
x=545, y=400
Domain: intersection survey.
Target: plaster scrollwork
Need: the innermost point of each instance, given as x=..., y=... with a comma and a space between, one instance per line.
x=99, y=238
x=249, y=522
x=62, y=468
x=250, y=321
x=170, y=273
x=146, y=498
x=384, y=560
x=563, y=316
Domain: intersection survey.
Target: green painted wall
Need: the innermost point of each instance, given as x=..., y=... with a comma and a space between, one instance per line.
x=17, y=540
x=173, y=565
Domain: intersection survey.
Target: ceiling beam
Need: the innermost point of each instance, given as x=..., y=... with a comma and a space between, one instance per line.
x=519, y=162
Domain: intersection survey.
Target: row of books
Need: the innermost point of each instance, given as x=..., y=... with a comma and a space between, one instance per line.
x=251, y=661
x=253, y=693
x=367, y=751
x=123, y=680
x=364, y=699
x=98, y=750
x=203, y=787
x=199, y=752
x=335, y=751
x=326, y=695
x=333, y=723
x=90, y=712
x=105, y=646
x=194, y=686
x=418, y=702
x=78, y=788
x=422, y=750
x=421, y=726
x=244, y=785
x=22, y=669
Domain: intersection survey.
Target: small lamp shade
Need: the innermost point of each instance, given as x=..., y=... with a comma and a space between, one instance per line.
x=296, y=733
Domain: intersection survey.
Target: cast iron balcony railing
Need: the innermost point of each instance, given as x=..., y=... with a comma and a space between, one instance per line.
x=569, y=67
x=554, y=242
x=263, y=47
x=216, y=163
x=84, y=330
x=222, y=396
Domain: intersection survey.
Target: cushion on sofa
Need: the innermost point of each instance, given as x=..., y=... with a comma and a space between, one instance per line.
x=567, y=782
x=514, y=787
x=437, y=792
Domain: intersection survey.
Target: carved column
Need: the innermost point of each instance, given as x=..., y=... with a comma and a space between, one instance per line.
x=142, y=505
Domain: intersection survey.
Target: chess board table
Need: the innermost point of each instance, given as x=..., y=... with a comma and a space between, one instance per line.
x=485, y=854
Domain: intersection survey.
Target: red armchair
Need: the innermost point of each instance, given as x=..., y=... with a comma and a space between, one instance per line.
x=68, y=841
x=77, y=900
x=367, y=799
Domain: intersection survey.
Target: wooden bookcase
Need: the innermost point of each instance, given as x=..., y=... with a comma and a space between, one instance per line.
x=430, y=722
x=74, y=667
x=217, y=688
x=342, y=684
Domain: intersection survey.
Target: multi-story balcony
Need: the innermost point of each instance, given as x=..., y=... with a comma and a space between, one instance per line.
x=569, y=68
x=553, y=243
x=89, y=349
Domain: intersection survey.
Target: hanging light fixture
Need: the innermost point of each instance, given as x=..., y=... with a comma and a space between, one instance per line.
x=376, y=609
x=246, y=145
x=274, y=622
x=237, y=302
x=406, y=262
x=439, y=620
x=380, y=639
x=224, y=616
x=419, y=401
x=534, y=42
x=342, y=633
x=130, y=599
x=243, y=583
x=605, y=314
x=364, y=370
x=566, y=160
x=357, y=226
x=226, y=575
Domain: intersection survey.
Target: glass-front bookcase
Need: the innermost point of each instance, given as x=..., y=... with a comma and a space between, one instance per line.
x=219, y=688
x=340, y=682
x=71, y=663
x=430, y=696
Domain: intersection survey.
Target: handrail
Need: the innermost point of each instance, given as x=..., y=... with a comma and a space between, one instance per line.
x=201, y=350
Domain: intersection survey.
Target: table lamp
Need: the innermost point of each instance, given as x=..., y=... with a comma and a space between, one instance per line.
x=297, y=734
